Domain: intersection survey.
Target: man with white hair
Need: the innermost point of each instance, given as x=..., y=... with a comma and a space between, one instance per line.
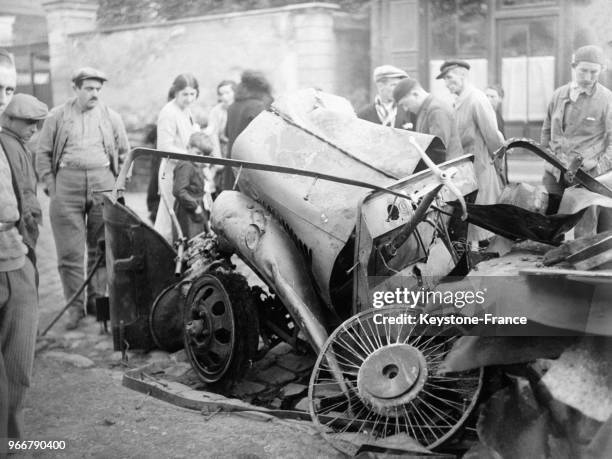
x=384, y=110
x=479, y=134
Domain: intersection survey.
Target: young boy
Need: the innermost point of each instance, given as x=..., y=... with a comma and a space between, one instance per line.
x=192, y=188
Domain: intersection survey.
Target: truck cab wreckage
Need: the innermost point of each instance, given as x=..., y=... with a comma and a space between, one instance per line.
x=327, y=211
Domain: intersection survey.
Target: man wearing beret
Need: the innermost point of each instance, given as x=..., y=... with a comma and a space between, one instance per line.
x=479, y=135
x=80, y=151
x=578, y=124
x=18, y=295
x=384, y=109
x=433, y=116
x=19, y=123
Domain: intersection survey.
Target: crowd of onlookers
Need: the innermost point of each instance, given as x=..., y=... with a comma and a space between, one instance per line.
x=577, y=128
x=82, y=143
x=183, y=188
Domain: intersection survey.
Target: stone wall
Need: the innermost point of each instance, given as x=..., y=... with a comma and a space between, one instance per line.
x=304, y=45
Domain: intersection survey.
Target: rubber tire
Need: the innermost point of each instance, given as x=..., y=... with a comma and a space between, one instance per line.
x=246, y=325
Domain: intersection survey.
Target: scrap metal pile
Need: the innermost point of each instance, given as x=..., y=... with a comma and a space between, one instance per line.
x=332, y=209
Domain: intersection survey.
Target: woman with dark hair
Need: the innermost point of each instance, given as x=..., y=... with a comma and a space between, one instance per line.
x=253, y=95
x=174, y=127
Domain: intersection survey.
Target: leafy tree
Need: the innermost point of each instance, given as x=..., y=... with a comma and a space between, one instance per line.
x=119, y=12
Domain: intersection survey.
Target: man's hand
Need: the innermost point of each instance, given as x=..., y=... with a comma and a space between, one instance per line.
x=574, y=165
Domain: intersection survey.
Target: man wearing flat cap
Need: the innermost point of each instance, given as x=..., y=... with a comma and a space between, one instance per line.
x=433, y=116
x=80, y=151
x=384, y=109
x=479, y=135
x=578, y=124
x=18, y=290
x=19, y=123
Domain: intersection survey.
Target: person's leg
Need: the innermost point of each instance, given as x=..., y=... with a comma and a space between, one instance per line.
x=19, y=326
x=67, y=215
x=163, y=222
x=4, y=405
x=153, y=189
x=98, y=179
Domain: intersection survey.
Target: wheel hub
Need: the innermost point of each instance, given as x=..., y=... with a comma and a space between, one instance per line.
x=209, y=330
x=391, y=376
x=198, y=332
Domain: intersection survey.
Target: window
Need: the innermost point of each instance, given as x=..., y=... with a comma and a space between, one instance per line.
x=527, y=51
x=458, y=28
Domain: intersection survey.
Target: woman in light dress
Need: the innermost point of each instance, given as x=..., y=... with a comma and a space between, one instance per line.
x=175, y=125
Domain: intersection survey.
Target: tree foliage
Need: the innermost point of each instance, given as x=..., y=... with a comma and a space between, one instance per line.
x=120, y=12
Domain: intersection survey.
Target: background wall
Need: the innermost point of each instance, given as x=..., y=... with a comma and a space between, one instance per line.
x=295, y=46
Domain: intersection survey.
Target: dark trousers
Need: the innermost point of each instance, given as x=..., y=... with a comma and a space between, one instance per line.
x=18, y=326
x=75, y=212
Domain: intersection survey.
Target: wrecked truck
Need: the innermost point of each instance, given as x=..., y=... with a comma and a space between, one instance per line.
x=327, y=210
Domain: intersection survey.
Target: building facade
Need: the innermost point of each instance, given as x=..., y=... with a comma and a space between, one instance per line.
x=524, y=45
x=23, y=32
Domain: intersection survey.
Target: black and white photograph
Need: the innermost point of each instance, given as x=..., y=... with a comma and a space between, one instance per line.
x=264, y=229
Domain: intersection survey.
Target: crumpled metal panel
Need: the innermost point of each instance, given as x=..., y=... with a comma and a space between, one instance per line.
x=522, y=421
x=513, y=425
x=267, y=248
x=322, y=214
x=269, y=139
x=576, y=301
x=582, y=378
x=471, y=352
x=140, y=265
x=576, y=198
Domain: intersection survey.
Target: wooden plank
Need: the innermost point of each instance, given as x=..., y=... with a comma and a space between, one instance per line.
x=592, y=247
x=579, y=251
x=595, y=261
x=209, y=402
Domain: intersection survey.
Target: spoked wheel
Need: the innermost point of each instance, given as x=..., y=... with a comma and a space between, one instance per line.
x=220, y=327
x=376, y=383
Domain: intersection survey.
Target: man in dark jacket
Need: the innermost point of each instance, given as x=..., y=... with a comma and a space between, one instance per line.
x=384, y=110
x=433, y=116
x=253, y=95
x=18, y=295
x=19, y=123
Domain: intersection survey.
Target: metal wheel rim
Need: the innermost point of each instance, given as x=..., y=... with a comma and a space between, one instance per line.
x=204, y=294
x=345, y=431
